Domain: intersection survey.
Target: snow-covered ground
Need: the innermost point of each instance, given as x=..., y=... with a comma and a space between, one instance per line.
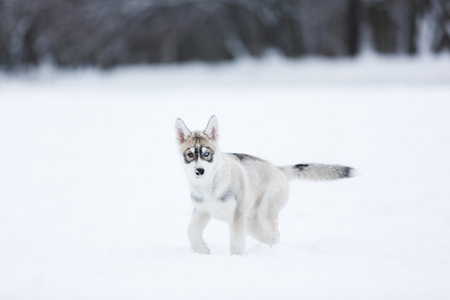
x=94, y=203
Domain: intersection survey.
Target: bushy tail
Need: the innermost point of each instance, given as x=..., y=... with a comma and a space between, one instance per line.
x=318, y=171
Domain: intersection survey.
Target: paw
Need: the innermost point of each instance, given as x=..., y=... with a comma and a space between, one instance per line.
x=237, y=251
x=202, y=249
x=272, y=241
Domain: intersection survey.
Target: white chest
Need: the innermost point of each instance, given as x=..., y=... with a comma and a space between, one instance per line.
x=215, y=197
x=218, y=207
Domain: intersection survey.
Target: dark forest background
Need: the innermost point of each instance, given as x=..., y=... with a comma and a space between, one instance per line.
x=106, y=33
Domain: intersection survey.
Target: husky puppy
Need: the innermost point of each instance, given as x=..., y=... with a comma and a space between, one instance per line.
x=245, y=191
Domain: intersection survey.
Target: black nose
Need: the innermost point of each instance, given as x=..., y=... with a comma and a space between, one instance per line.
x=199, y=172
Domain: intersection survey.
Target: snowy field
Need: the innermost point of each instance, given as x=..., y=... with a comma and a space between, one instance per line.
x=94, y=203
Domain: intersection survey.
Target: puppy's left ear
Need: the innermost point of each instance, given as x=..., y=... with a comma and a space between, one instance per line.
x=181, y=131
x=212, y=130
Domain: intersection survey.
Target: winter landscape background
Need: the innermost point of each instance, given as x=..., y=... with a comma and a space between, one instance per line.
x=107, y=33
x=93, y=200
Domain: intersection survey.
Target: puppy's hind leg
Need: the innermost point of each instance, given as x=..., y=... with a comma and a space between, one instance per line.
x=268, y=212
x=254, y=228
x=199, y=220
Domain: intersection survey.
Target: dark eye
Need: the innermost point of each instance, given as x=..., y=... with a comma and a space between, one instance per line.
x=190, y=154
x=206, y=154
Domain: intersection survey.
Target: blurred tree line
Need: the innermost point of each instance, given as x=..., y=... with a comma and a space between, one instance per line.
x=106, y=33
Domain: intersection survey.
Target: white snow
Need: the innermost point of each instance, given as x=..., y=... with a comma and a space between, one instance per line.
x=94, y=203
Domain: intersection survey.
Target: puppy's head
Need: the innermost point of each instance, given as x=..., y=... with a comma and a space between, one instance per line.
x=198, y=148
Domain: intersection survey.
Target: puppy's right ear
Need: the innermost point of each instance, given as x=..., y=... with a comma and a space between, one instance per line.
x=181, y=131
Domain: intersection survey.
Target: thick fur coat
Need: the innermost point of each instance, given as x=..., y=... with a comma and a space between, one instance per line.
x=245, y=191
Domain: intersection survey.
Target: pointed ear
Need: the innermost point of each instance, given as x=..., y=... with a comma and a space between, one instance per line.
x=181, y=131
x=212, y=130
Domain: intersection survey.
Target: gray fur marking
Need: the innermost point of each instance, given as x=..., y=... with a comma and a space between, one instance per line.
x=346, y=172
x=300, y=167
x=226, y=195
x=196, y=198
x=243, y=157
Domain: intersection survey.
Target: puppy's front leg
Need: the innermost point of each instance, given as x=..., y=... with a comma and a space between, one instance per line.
x=237, y=234
x=199, y=220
